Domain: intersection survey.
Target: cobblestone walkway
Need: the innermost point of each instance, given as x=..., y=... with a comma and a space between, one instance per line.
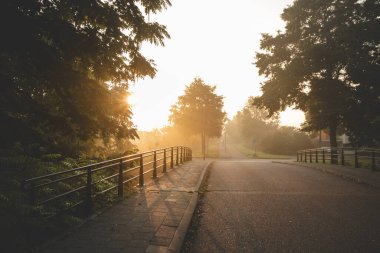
x=145, y=222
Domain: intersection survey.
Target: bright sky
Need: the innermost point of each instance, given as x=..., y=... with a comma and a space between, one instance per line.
x=215, y=40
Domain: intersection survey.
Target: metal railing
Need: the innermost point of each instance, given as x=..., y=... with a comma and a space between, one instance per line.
x=357, y=157
x=87, y=182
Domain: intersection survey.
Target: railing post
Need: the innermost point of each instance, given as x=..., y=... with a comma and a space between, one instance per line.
x=305, y=156
x=342, y=156
x=176, y=158
x=311, y=156
x=297, y=155
x=171, y=158
x=141, y=172
x=89, y=191
x=164, y=162
x=120, y=188
x=316, y=155
x=373, y=160
x=181, y=158
x=155, y=164
x=356, y=159
x=331, y=155
x=323, y=156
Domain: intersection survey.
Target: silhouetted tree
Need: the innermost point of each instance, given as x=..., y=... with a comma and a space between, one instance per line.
x=65, y=67
x=327, y=64
x=199, y=111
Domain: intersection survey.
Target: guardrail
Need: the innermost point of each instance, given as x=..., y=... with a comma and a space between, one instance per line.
x=86, y=183
x=345, y=156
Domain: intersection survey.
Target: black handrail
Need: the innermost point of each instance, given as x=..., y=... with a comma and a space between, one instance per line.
x=145, y=162
x=343, y=156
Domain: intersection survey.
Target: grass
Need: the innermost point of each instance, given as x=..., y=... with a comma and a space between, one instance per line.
x=251, y=153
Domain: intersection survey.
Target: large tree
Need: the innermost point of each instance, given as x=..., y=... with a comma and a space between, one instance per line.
x=199, y=111
x=65, y=67
x=326, y=63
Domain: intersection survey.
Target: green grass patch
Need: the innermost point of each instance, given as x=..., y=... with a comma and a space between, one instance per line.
x=252, y=153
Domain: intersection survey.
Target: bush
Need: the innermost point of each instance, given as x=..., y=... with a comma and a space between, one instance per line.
x=285, y=141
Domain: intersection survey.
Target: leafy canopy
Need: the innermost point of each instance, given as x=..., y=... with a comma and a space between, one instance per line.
x=65, y=67
x=199, y=110
x=326, y=63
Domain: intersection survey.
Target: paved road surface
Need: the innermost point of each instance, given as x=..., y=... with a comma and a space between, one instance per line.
x=259, y=206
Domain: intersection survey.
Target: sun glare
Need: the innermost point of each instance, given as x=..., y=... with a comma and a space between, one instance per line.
x=219, y=50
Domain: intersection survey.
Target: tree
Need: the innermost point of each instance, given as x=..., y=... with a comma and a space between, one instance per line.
x=251, y=123
x=325, y=63
x=199, y=111
x=65, y=67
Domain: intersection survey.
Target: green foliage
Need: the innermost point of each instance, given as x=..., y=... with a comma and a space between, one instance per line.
x=65, y=67
x=252, y=128
x=285, y=141
x=250, y=124
x=33, y=225
x=326, y=63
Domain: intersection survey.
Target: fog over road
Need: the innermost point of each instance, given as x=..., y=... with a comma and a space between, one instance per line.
x=260, y=206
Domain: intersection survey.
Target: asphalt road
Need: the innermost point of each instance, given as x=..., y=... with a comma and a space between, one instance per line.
x=259, y=206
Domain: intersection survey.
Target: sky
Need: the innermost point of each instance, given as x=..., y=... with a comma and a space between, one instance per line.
x=215, y=40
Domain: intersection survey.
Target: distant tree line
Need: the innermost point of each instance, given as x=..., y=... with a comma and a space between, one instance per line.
x=326, y=63
x=252, y=127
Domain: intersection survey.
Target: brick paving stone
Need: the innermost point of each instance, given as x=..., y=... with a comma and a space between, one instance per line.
x=161, y=241
x=156, y=249
x=166, y=231
x=171, y=222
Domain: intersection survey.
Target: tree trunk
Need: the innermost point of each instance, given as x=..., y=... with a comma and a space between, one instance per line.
x=333, y=141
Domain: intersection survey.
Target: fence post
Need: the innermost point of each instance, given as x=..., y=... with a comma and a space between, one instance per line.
x=356, y=159
x=164, y=162
x=180, y=160
x=297, y=155
x=141, y=172
x=316, y=155
x=310, y=156
x=155, y=164
x=342, y=156
x=331, y=155
x=305, y=156
x=323, y=155
x=89, y=191
x=120, y=190
x=176, y=158
x=373, y=160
